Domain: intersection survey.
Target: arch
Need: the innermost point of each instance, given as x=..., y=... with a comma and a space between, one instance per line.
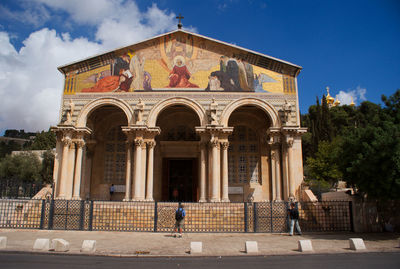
x=267, y=108
x=159, y=107
x=89, y=107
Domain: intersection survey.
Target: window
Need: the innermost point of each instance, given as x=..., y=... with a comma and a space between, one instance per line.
x=244, y=156
x=115, y=157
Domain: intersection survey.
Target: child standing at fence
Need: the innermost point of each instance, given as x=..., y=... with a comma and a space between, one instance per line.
x=293, y=213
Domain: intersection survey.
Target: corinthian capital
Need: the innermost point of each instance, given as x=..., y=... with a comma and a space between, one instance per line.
x=67, y=141
x=151, y=144
x=139, y=142
x=224, y=145
x=80, y=143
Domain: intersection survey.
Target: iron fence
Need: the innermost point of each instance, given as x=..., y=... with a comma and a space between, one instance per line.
x=18, y=189
x=260, y=217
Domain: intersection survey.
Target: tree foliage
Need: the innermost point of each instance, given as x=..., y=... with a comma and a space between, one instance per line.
x=25, y=166
x=361, y=145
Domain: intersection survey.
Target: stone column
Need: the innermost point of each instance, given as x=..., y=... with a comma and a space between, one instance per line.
x=64, y=163
x=138, y=181
x=225, y=186
x=215, y=195
x=143, y=170
x=202, y=173
x=78, y=170
x=149, y=187
x=278, y=196
x=128, y=170
x=289, y=142
x=273, y=173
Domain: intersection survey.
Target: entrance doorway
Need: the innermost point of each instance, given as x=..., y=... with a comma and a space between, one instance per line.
x=180, y=180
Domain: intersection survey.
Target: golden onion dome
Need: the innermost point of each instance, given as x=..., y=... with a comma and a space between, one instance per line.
x=337, y=102
x=329, y=99
x=352, y=102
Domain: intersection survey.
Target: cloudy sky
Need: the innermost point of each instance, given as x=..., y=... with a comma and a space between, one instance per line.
x=351, y=46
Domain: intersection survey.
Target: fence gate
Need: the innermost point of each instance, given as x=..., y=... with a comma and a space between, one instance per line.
x=270, y=217
x=68, y=215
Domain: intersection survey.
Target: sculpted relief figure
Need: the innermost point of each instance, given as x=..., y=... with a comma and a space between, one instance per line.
x=140, y=108
x=70, y=111
x=287, y=110
x=213, y=112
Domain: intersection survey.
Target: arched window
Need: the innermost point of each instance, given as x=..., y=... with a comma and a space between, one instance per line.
x=244, y=155
x=115, y=157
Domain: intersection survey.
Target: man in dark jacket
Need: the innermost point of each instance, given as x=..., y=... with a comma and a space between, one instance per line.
x=179, y=219
x=293, y=213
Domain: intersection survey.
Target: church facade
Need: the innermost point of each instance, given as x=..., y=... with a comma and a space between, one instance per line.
x=179, y=117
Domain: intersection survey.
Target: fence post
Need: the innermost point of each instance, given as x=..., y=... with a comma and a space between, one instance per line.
x=351, y=216
x=90, y=222
x=42, y=214
x=155, y=216
x=255, y=217
x=51, y=215
x=245, y=218
x=81, y=215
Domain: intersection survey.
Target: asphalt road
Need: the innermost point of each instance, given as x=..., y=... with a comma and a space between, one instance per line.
x=386, y=260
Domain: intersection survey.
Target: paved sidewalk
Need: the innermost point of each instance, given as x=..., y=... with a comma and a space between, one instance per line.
x=214, y=244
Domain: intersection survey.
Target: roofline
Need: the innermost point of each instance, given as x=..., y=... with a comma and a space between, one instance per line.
x=60, y=68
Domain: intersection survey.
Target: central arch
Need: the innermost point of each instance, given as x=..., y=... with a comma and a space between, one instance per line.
x=267, y=108
x=158, y=108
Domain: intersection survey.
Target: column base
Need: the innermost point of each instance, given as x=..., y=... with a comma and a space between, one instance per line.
x=225, y=200
x=126, y=200
x=278, y=200
x=138, y=200
x=149, y=199
x=76, y=198
x=202, y=200
x=214, y=200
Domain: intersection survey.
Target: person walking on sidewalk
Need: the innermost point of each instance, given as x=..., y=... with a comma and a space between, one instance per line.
x=179, y=219
x=293, y=213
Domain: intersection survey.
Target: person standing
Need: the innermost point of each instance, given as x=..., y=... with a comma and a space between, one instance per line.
x=179, y=220
x=293, y=213
x=112, y=190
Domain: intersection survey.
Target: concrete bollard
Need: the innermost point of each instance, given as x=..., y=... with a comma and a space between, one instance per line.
x=3, y=242
x=196, y=247
x=251, y=247
x=305, y=245
x=42, y=244
x=88, y=246
x=356, y=244
x=59, y=245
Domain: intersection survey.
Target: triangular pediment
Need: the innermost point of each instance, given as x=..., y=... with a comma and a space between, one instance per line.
x=180, y=60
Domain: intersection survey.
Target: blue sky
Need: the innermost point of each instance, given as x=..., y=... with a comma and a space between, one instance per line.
x=351, y=46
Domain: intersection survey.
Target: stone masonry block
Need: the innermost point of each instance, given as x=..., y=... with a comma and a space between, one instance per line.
x=42, y=244
x=196, y=247
x=357, y=244
x=3, y=242
x=251, y=247
x=88, y=246
x=60, y=245
x=305, y=245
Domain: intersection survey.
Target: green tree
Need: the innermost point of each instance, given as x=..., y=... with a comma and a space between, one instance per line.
x=25, y=166
x=47, y=166
x=44, y=141
x=323, y=166
x=370, y=153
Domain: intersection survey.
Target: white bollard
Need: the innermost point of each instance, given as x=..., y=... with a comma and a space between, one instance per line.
x=305, y=245
x=3, y=242
x=196, y=247
x=59, y=245
x=357, y=244
x=42, y=244
x=88, y=246
x=251, y=247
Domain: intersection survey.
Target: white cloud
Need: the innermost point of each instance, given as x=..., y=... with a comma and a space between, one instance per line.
x=357, y=95
x=30, y=84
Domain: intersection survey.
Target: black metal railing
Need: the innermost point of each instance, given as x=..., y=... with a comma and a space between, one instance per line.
x=16, y=188
x=260, y=217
